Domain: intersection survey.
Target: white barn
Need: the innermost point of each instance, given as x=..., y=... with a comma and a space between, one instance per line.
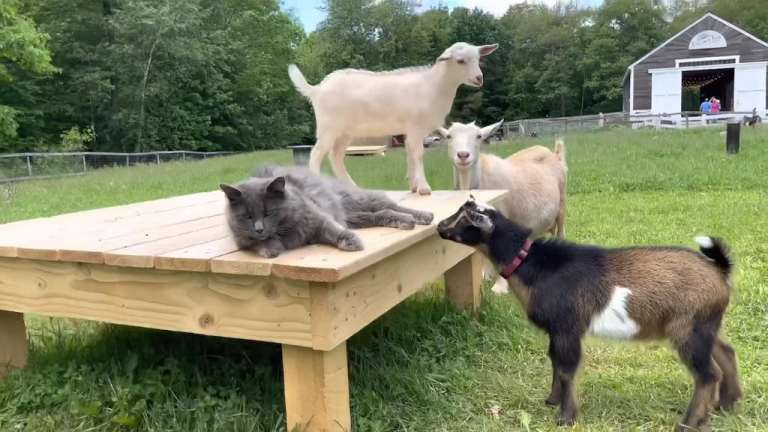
x=711, y=57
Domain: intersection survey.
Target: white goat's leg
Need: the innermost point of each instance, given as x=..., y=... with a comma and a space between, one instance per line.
x=414, y=145
x=323, y=145
x=337, y=158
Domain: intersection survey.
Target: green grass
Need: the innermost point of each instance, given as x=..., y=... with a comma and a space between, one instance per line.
x=423, y=366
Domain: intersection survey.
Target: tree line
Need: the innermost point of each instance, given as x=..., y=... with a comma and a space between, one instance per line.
x=140, y=75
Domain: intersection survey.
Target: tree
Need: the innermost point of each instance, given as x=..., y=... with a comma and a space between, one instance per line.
x=23, y=48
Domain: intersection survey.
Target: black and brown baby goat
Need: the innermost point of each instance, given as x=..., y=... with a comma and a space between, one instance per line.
x=571, y=290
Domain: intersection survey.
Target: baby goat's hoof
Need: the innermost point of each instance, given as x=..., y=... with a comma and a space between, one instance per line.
x=563, y=420
x=551, y=400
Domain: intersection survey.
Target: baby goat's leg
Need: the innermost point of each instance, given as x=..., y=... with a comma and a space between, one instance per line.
x=555, y=395
x=730, y=389
x=696, y=352
x=338, y=154
x=566, y=354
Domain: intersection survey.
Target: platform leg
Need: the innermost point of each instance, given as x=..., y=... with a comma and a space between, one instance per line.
x=316, y=389
x=13, y=341
x=463, y=283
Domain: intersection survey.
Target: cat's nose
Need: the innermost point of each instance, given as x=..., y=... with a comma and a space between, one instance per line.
x=258, y=227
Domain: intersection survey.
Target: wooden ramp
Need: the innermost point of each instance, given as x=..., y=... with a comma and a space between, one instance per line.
x=366, y=150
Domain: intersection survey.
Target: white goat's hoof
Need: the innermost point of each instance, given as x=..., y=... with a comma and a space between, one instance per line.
x=425, y=190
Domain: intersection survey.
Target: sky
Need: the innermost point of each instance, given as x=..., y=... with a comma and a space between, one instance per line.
x=310, y=13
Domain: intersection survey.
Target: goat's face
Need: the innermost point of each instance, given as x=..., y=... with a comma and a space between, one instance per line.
x=463, y=61
x=471, y=225
x=464, y=142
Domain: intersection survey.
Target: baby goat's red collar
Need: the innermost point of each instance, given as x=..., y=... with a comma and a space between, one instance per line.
x=510, y=268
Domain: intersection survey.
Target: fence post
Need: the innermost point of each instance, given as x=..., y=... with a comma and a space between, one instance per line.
x=601, y=121
x=686, y=120
x=703, y=119
x=183, y=155
x=85, y=166
x=657, y=121
x=29, y=166
x=127, y=160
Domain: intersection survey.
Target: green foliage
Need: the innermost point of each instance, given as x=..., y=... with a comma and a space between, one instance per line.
x=76, y=140
x=423, y=366
x=22, y=49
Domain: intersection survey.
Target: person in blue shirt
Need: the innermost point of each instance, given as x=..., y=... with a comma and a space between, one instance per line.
x=706, y=106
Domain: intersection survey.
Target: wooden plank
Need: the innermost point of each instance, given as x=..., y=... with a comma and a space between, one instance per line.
x=327, y=264
x=13, y=342
x=197, y=257
x=366, y=150
x=81, y=233
x=341, y=309
x=91, y=250
x=246, y=307
x=316, y=389
x=463, y=283
x=143, y=254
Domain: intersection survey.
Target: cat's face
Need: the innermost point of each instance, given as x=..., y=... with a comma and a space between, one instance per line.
x=255, y=207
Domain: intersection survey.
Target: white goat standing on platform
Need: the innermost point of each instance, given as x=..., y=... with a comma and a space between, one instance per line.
x=354, y=103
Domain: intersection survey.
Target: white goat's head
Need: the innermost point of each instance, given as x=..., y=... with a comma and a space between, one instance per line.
x=464, y=142
x=463, y=61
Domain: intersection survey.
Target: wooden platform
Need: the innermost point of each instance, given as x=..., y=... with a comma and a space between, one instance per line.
x=366, y=150
x=171, y=264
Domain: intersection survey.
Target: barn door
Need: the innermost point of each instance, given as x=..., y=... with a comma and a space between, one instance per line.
x=666, y=91
x=749, y=88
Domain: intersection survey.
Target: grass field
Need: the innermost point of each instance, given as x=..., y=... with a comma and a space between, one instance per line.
x=422, y=367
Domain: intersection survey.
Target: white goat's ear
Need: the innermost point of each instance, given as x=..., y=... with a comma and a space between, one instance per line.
x=443, y=132
x=488, y=130
x=487, y=49
x=446, y=55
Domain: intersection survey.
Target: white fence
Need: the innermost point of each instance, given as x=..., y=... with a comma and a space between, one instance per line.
x=26, y=166
x=561, y=125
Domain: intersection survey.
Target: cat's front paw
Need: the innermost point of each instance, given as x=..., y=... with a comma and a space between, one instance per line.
x=349, y=241
x=267, y=252
x=424, y=218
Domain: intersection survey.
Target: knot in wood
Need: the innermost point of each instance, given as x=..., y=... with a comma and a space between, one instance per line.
x=205, y=320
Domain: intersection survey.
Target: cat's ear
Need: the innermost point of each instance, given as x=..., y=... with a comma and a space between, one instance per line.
x=232, y=193
x=277, y=186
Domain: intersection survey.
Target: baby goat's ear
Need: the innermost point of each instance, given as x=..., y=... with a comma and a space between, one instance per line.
x=232, y=193
x=481, y=221
x=488, y=130
x=277, y=186
x=487, y=49
x=443, y=132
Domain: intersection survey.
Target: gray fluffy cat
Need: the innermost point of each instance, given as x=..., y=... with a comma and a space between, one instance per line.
x=282, y=208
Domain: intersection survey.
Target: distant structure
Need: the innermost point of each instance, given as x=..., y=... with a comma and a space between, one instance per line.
x=710, y=58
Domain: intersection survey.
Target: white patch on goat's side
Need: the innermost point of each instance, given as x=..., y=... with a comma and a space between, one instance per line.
x=614, y=320
x=704, y=241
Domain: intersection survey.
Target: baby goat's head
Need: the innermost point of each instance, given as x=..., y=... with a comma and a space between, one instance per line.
x=465, y=140
x=471, y=225
x=463, y=61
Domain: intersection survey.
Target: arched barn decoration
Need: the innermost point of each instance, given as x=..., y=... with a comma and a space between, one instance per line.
x=709, y=58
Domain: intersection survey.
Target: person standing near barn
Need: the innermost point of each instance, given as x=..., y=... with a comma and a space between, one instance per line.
x=706, y=106
x=715, y=105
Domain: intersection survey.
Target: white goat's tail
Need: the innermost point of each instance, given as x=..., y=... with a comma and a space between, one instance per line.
x=560, y=151
x=300, y=82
